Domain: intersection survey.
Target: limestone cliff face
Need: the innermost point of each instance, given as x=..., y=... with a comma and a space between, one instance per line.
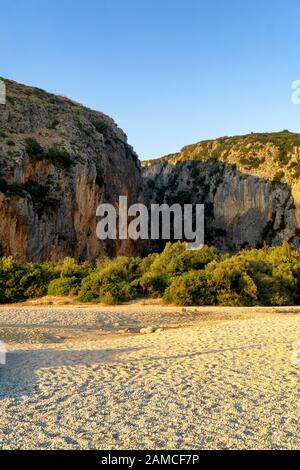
x=58, y=162
x=250, y=188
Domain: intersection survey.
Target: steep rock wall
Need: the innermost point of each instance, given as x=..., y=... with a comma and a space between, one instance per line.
x=241, y=210
x=58, y=162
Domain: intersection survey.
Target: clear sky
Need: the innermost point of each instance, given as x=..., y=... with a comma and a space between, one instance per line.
x=170, y=72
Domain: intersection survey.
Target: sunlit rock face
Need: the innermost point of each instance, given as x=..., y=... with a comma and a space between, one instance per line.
x=59, y=161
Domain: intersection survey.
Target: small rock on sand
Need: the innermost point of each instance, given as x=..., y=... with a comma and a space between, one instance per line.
x=147, y=331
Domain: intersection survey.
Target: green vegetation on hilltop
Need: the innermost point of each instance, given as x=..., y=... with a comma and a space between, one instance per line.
x=266, y=276
x=250, y=151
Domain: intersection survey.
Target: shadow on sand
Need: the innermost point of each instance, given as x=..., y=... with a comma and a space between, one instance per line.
x=18, y=377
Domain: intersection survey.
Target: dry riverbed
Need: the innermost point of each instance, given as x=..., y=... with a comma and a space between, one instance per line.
x=84, y=377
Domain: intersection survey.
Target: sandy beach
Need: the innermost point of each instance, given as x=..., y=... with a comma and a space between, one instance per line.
x=81, y=377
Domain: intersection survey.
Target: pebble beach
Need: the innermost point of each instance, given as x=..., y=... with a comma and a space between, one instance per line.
x=207, y=378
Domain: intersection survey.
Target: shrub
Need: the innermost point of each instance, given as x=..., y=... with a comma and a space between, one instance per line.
x=154, y=285
x=278, y=176
x=251, y=162
x=176, y=259
x=19, y=283
x=192, y=288
x=146, y=263
x=10, y=99
x=200, y=258
x=69, y=267
x=268, y=276
x=272, y=291
x=54, y=154
x=34, y=280
x=53, y=124
x=64, y=286
x=33, y=148
x=40, y=93
x=113, y=281
x=170, y=261
x=233, y=283
x=39, y=194
x=58, y=156
x=100, y=126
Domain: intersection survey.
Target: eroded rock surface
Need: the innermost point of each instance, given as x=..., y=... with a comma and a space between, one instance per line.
x=249, y=185
x=58, y=162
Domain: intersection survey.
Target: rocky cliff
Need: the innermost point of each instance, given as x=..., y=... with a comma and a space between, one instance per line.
x=249, y=185
x=58, y=162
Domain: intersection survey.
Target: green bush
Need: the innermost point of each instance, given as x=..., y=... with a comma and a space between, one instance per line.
x=58, y=156
x=64, y=286
x=34, y=280
x=154, y=285
x=39, y=194
x=54, y=154
x=269, y=276
x=233, y=282
x=19, y=283
x=53, y=124
x=33, y=148
x=266, y=276
x=111, y=283
x=100, y=126
x=69, y=267
x=170, y=261
x=192, y=288
x=272, y=291
x=251, y=161
x=31, y=280
x=173, y=261
x=200, y=258
x=278, y=176
x=176, y=259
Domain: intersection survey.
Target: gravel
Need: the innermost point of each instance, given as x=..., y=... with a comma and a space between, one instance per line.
x=203, y=385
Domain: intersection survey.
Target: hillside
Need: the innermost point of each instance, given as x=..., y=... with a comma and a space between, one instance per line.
x=58, y=162
x=249, y=185
x=272, y=156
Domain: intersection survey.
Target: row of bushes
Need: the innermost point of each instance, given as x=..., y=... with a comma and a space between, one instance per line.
x=21, y=282
x=267, y=276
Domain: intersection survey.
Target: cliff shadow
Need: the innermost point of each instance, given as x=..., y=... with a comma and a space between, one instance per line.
x=19, y=378
x=242, y=210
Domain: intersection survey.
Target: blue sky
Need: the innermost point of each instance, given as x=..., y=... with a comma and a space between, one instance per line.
x=169, y=72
